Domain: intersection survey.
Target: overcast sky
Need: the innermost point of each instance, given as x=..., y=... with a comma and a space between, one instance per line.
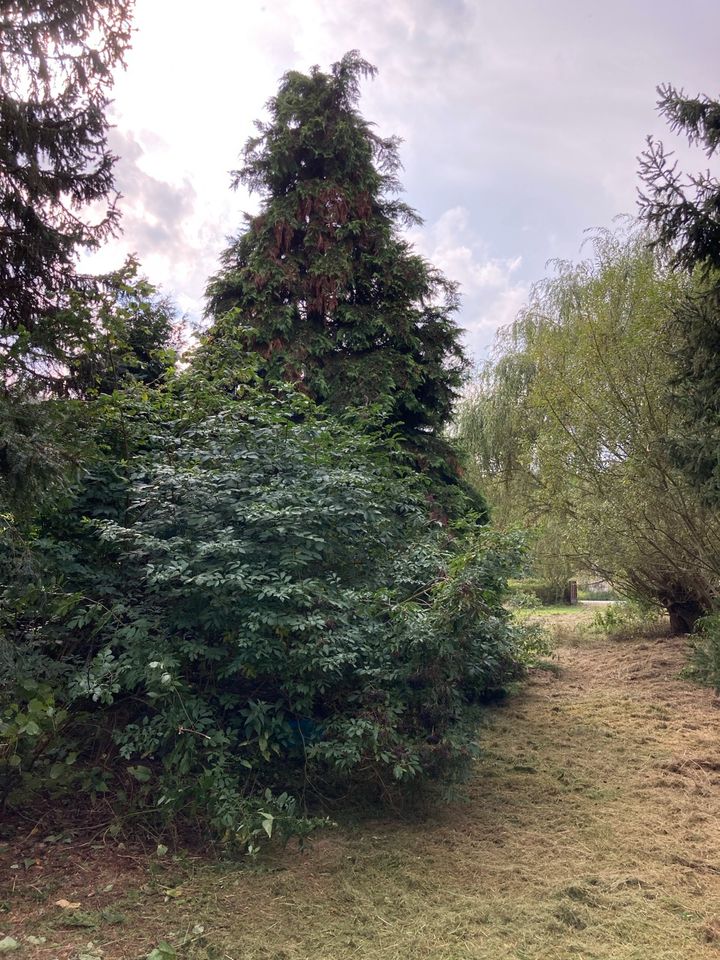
x=522, y=121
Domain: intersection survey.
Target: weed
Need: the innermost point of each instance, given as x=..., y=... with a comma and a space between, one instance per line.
x=626, y=619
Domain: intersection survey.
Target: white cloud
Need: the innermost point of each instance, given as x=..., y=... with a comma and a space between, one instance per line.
x=491, y=292
x=522, y=122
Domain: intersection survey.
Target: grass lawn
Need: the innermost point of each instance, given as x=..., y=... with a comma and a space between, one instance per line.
x=591, y=831
x=551, y=610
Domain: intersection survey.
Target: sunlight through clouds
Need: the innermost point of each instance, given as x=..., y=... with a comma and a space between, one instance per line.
x=521, y=124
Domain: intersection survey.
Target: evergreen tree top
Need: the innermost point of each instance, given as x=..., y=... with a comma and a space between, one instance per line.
x=316, y=133
x=322, y=284
x=684, y=210
x=57, y=187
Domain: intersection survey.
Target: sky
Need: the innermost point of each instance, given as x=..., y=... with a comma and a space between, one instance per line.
x=521, y=121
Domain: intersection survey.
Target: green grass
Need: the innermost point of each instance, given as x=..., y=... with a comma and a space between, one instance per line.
x=552, y=610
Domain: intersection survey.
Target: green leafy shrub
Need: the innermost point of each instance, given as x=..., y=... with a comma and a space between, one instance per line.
x=705, y=662
x=521, y=600
x=545, y=592
x=252, y=600
x=626, y=618
x=608, y=594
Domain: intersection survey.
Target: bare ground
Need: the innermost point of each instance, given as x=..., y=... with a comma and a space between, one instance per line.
x=591, y=831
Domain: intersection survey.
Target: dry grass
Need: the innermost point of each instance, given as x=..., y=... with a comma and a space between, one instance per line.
x=569, y=626
x=591, y=831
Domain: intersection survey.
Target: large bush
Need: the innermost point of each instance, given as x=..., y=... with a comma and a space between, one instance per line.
x=250, y=601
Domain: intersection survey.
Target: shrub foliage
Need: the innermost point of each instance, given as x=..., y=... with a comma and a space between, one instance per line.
x=249, y=603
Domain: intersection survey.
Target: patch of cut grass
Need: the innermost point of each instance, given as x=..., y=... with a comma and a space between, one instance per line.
x=592, y=831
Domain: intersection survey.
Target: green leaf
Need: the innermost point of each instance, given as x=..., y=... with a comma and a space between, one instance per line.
x=163, y=951
x=140, y=773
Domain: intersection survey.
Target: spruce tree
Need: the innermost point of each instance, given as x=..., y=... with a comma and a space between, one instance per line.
x=683, y=212
x=56, y=63
x=322, y=283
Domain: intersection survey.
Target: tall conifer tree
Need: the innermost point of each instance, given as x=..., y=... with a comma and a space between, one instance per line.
x=684, y=213
x=322, y=283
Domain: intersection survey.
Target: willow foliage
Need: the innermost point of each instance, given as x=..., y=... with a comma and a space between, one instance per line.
x=571, y=426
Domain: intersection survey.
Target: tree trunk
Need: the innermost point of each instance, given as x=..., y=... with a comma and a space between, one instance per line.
x=684, y=615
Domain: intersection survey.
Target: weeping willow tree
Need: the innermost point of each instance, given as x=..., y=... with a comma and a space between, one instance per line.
x=568, y=429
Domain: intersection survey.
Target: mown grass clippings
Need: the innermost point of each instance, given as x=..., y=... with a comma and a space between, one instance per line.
x=592, y=831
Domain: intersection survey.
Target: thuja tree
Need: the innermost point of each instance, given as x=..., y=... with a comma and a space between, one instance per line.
x=134, y=329
x=44, y=437
x=322, y=284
